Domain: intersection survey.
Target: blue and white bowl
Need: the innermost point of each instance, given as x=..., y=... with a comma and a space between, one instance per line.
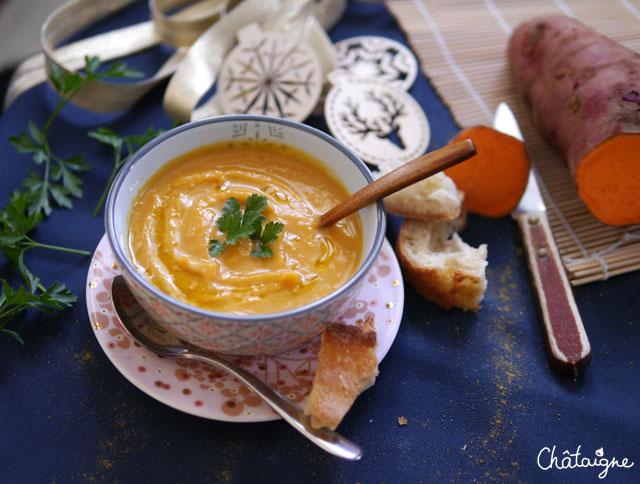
x=232, y=333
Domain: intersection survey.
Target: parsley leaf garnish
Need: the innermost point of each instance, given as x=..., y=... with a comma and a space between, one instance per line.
x=237, y=225
x=269, y=235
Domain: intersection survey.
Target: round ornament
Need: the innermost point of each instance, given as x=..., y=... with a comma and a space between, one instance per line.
x=270, y=73
x=377, y=121
x=377, y=58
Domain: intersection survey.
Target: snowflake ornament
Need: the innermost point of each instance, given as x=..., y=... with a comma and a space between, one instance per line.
x=270, y=73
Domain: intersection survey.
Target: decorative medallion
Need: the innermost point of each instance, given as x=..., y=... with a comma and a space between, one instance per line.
x=270, y=73
x=380, y=58
x=379, y=122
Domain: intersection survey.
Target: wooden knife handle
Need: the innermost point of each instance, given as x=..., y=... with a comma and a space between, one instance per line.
x=567, y=342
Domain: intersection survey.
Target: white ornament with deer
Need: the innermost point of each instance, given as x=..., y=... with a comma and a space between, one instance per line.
x=379, y=122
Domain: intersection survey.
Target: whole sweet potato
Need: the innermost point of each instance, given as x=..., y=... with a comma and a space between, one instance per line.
x=583, y=91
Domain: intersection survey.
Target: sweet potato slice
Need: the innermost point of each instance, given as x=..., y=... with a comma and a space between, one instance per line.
x=494, y=180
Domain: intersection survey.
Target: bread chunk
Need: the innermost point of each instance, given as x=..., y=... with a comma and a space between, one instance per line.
x=440, y=265
x=347, y=366
x=434, y=198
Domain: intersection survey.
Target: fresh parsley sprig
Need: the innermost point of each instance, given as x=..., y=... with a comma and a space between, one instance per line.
x=237, y=225
x=120, y=156
x=59, y=179
x=15, y=301
x=15, y=224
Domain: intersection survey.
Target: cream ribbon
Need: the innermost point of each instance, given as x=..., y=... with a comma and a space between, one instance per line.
x=202, y=32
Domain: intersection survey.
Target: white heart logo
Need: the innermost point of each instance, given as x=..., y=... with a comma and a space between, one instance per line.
x=600, y=452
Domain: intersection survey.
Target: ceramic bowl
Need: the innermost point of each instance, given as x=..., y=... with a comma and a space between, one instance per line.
x=232, y=333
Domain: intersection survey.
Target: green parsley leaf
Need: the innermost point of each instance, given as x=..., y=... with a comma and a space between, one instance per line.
x=23, y=143
x=216, y=247
x=13, y=334
x=92, y=64
x=255, y=203
x=263, y=251
x=119, y=69
x=15, y=223
x=237, y=225
x=15, y=301
x=35, y=140
x=269, y=235
x=107, y=136
x=36, y=133
x=61, y=195
x=67, y=169
x=37, y=193
x=231, y=220
x=123, y=149
x=56, y=73
x=271, y=231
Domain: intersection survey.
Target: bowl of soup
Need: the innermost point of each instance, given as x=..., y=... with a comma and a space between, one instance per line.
x=214, y=225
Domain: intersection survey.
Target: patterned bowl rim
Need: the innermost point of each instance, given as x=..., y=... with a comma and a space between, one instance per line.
x=125, y=263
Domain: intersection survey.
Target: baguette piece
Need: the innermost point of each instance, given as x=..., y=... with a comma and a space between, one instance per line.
x=434, y=198
x=440, y=265
x=347, y=366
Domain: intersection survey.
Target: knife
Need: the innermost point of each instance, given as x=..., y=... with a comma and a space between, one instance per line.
x=567, y=342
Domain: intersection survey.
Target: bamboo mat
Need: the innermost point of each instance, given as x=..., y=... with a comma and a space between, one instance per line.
x=461, y=46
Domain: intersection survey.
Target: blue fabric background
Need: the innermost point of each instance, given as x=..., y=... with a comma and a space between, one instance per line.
x=475, y=388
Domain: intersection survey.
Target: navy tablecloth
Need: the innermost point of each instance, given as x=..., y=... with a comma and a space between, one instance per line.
x=480, y=400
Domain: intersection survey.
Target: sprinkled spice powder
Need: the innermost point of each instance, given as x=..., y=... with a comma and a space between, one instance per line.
x=489, y=448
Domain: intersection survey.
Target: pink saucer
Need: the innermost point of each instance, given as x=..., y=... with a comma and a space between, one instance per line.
x=201, y=390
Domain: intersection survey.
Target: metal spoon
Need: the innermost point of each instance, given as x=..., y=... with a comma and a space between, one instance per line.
x=155, y=338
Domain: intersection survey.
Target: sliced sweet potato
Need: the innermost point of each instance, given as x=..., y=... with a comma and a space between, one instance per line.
x=494, y=180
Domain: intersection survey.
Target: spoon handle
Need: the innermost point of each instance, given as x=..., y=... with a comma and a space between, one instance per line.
x=324, y=438
x=400, y=178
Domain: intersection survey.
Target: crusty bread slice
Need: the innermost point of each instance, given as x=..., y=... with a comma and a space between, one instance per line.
x=440, y=265
x=347, y=366
x=434, y=198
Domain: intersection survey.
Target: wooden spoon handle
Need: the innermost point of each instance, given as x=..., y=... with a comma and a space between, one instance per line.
x=400, y=178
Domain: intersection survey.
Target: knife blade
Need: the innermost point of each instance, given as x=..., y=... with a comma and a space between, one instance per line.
x=566, y=339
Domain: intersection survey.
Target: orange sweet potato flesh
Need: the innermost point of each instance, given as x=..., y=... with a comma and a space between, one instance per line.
x=608, y=180
x=583, y=92
x=494, y=180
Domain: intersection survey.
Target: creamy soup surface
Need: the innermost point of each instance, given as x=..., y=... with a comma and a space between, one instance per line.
x=174, y=216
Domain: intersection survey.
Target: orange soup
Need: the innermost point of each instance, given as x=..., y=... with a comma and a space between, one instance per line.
x=173, y=219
